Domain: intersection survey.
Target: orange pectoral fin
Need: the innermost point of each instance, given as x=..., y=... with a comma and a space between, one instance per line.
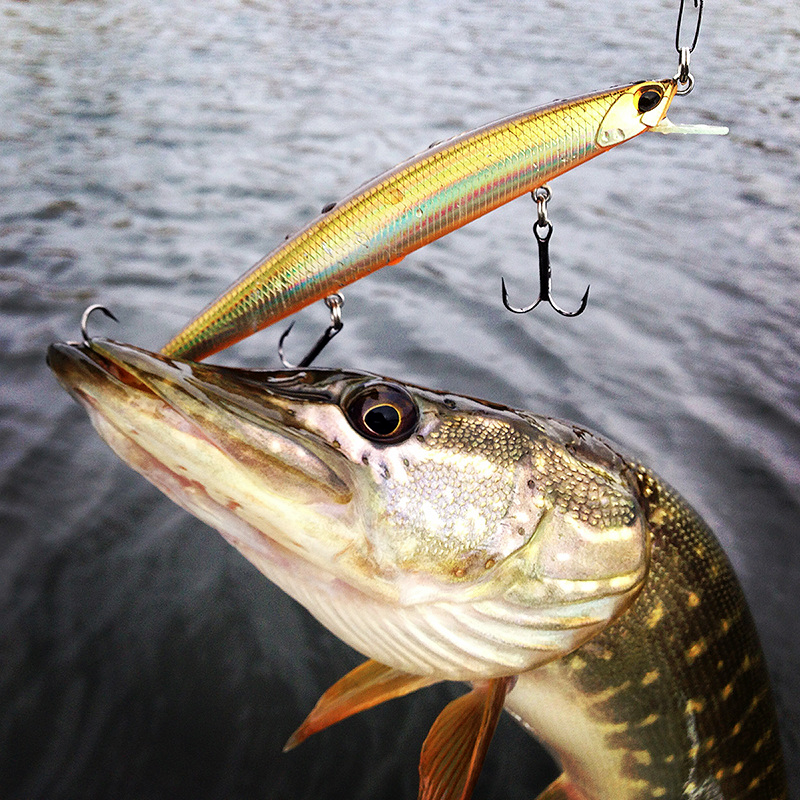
x=368, y=685
x=561, y=789
x=454, y=750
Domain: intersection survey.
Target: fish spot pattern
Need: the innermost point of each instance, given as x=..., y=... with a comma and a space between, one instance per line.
x=698, y=697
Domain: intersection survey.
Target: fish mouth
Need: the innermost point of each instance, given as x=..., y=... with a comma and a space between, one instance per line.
x=100, y=373
x=223, y=443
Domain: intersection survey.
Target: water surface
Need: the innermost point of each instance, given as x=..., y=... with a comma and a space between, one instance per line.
x=149, y=153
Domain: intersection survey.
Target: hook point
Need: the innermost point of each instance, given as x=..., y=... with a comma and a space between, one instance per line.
x=334, y=303
x=513, y=309
x=581, y=308
x=85, y=319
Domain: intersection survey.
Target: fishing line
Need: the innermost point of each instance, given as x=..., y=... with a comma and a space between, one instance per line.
x=684, y=78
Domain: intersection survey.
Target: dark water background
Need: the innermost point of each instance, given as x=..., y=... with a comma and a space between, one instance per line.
x=150, y=152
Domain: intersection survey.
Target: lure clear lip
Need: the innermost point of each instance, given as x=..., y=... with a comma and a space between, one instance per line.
x=667, y=126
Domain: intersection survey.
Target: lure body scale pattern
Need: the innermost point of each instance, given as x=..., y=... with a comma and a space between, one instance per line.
x=420, y=200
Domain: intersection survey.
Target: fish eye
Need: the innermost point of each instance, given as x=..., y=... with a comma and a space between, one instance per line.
x=649, y=99
x=381, y=412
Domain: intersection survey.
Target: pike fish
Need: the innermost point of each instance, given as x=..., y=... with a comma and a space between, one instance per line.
x=422, y=199
x=447, y=538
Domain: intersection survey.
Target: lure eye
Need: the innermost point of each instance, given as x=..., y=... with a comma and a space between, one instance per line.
x=382, y=413
x=649, y=99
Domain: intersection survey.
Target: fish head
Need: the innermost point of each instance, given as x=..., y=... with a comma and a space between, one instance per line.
x=636, y=109
x=438, y=534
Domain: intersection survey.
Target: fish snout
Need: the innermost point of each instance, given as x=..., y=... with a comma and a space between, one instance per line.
x=78, y=367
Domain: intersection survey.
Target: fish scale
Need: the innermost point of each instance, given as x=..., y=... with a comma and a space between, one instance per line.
x=689, y=634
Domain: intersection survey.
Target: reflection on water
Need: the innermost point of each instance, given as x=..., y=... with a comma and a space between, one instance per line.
x=149, y=153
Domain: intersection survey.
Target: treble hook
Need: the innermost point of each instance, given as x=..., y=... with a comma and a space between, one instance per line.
x=85, y=320
x=540, y=197
x=334, y=303
x=683, y=77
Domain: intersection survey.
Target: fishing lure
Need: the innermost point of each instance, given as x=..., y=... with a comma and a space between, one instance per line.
x=424, y=198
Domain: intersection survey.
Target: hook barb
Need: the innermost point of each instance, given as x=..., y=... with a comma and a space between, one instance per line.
x=85, y=319
x=334, y=303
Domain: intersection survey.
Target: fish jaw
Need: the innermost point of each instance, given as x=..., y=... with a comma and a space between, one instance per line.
x=481, y=542
x=160, y=418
